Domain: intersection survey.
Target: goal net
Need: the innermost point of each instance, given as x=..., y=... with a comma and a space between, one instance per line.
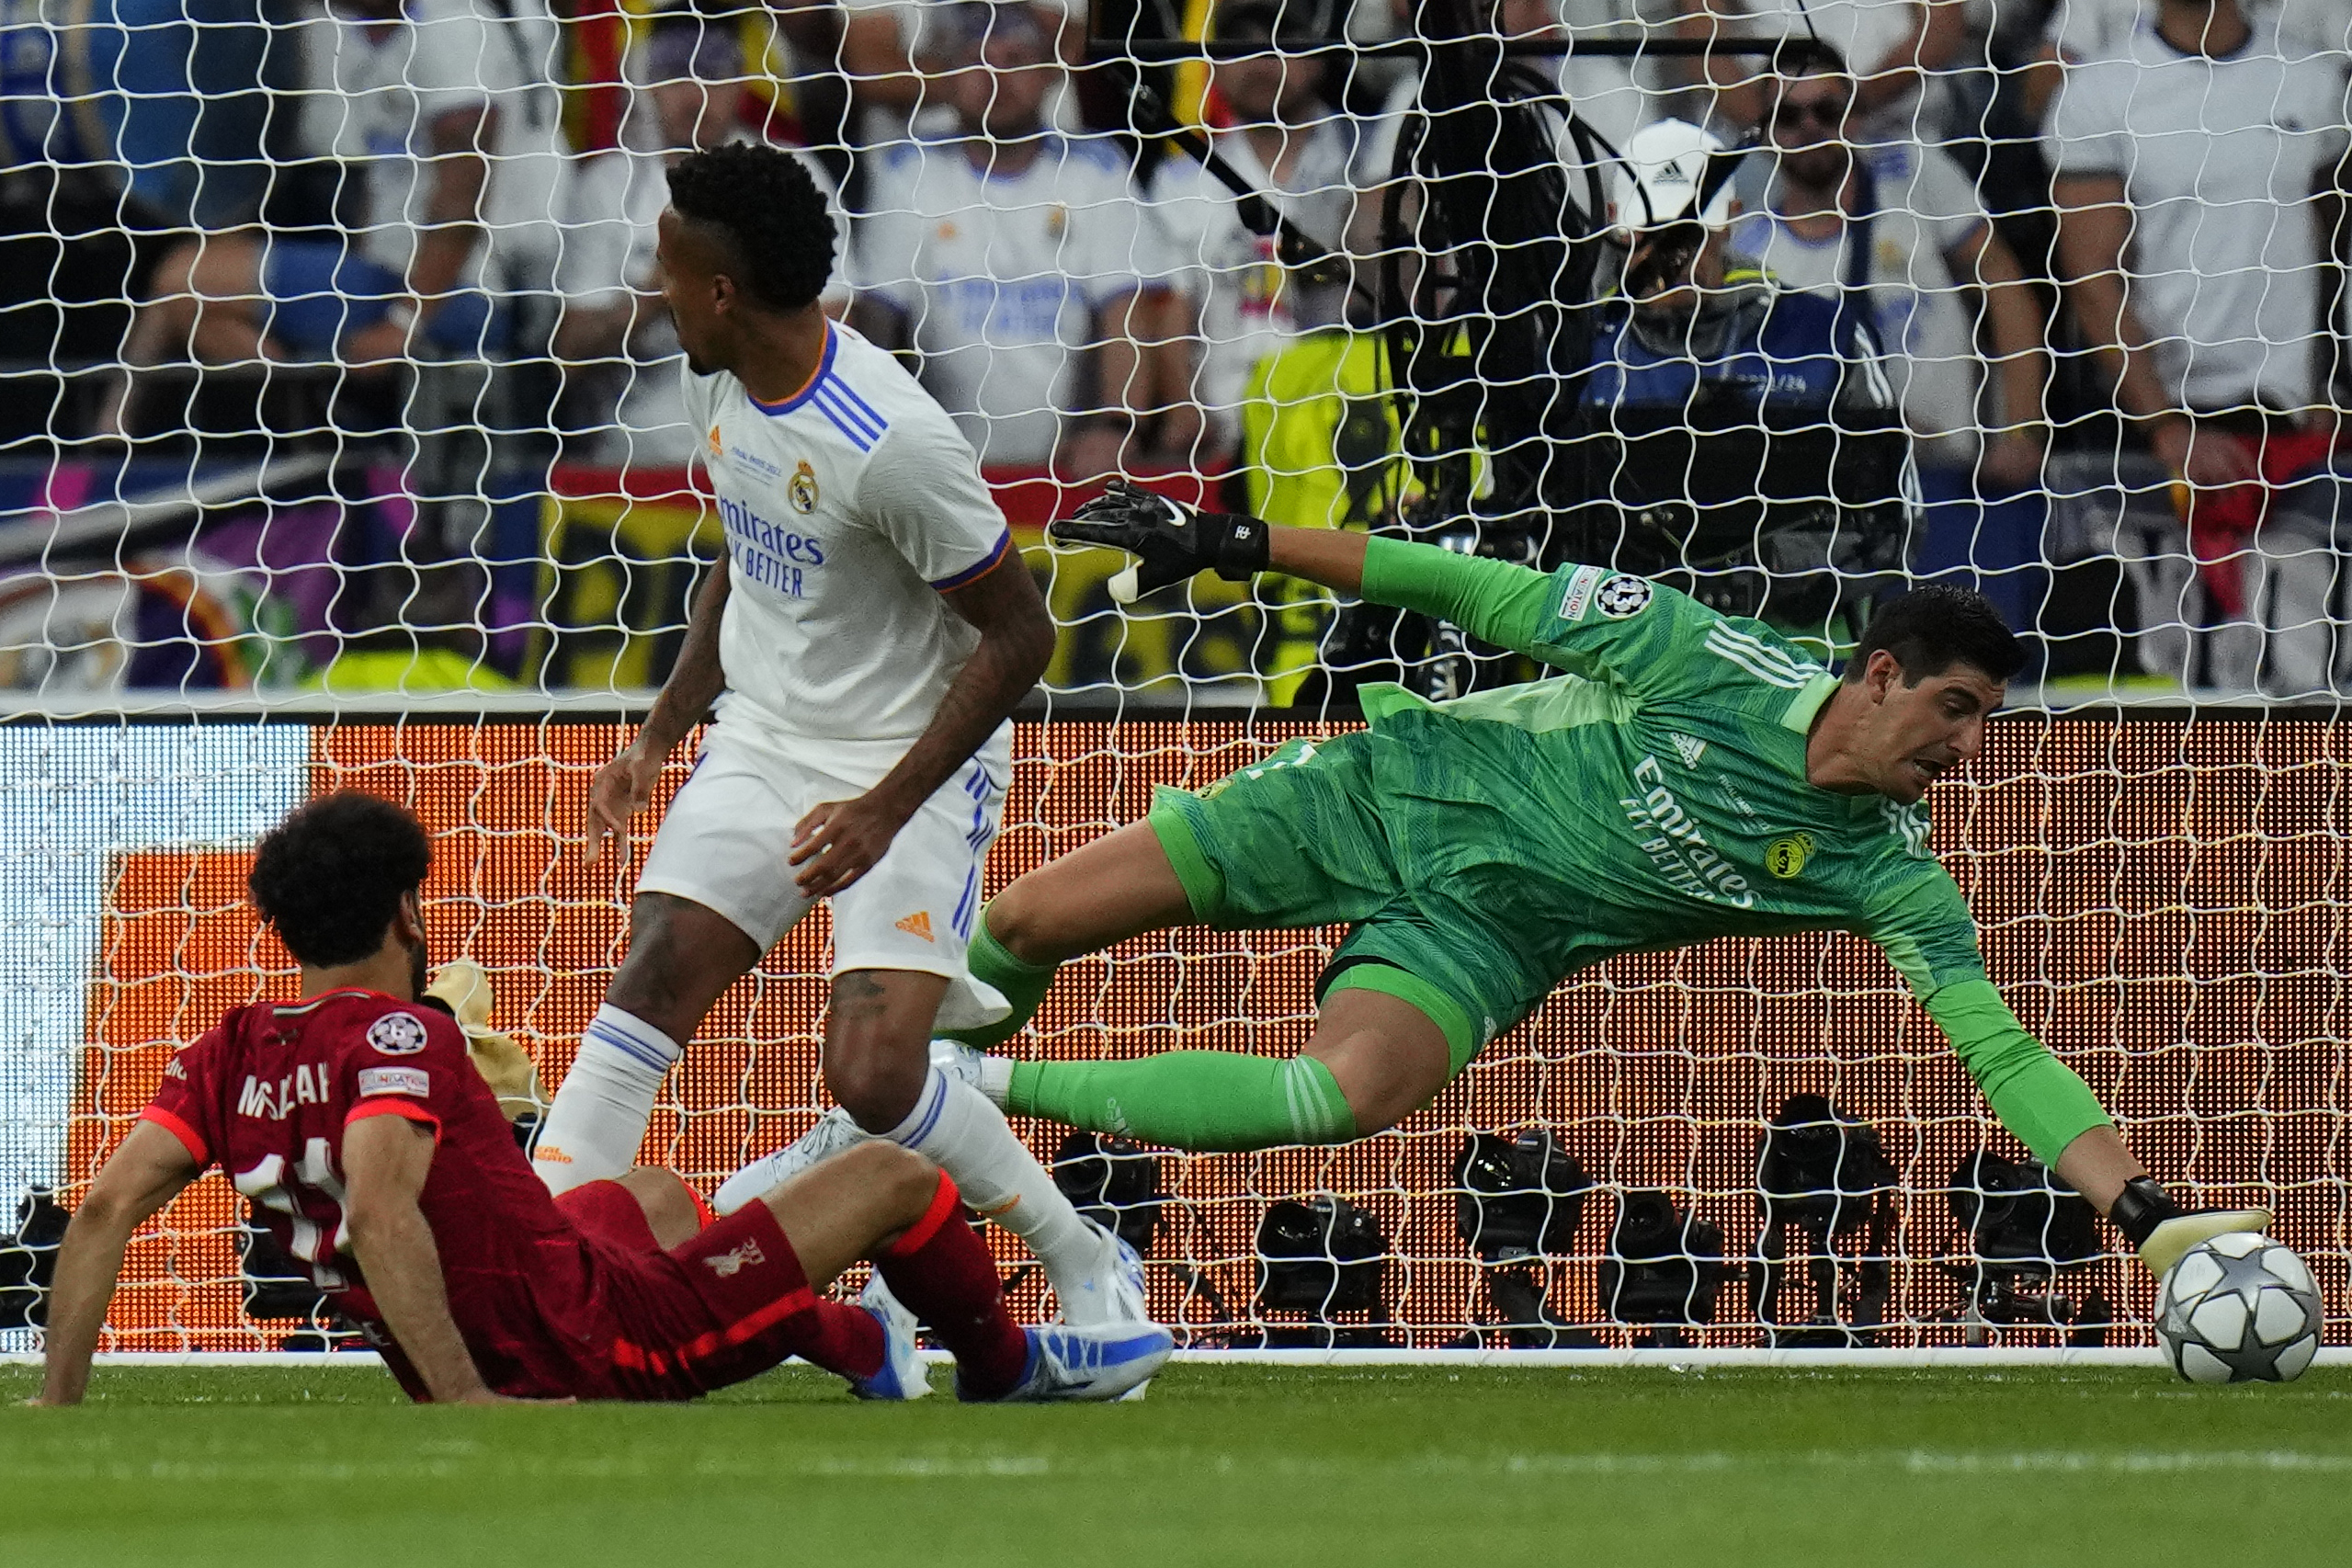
x=343, y=448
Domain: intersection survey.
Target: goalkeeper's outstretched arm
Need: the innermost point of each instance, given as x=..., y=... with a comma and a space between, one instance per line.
x=1494, y=601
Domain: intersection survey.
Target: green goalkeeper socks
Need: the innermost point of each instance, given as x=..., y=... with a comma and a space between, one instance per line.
x=1205, y=1101
x=1024, y=985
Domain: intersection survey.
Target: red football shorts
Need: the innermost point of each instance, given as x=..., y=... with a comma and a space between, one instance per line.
x=714, y=1310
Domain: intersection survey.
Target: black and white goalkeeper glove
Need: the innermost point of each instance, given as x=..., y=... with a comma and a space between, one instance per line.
x=1169, y=541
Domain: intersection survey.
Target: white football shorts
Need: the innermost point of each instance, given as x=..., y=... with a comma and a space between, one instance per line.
x=726, y=840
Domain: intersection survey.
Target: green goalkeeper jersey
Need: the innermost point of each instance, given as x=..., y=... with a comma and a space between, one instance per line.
x=1657, y=791
x=1655, y=795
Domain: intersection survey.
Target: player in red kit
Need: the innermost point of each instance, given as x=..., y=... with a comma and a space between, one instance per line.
x=381, y=1161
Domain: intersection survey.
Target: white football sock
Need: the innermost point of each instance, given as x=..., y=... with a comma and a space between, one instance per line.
x=593, y=1130
x=954, y=1126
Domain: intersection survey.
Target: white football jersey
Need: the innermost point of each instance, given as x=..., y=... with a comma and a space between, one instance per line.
x=849, y=508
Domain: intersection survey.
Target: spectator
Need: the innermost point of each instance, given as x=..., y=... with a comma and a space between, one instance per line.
x=1896, y=227
x=2198, y=259
x=1011, y=260
x=688, y=92
x=444, y=113
x=1239, y=304
x=1893, y=46
x=1748, y=443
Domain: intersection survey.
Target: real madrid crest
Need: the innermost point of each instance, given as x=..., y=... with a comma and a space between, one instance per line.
x=802, y=488
x=1785, y=857
x=717, y=449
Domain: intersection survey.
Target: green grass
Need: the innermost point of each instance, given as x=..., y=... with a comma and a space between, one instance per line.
x=1221, y=1465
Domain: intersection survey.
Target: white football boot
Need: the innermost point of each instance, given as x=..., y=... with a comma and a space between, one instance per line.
x=991, y=1075
x=833, y=1132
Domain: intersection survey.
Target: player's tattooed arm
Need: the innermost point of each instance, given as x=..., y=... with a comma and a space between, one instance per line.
x=623, y=786
x=840, y=841
x=144, y=1174
x=385, y=1160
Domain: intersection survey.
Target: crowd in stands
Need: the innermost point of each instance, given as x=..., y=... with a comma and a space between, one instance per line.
x=2091, y=248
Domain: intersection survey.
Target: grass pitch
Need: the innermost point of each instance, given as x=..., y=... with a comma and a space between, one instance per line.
x=253, y=1468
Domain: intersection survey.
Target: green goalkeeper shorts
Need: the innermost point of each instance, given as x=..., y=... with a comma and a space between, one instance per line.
x=1297, y=840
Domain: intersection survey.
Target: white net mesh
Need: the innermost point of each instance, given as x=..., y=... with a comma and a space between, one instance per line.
x=344, y=444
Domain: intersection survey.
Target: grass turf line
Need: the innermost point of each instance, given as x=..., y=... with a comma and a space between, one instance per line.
x=257, y=1467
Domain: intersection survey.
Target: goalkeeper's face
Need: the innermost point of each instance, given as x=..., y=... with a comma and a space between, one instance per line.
x=1914, y=733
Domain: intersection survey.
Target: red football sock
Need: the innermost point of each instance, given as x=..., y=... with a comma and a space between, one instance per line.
x=945, y=1278
x=845, y=1340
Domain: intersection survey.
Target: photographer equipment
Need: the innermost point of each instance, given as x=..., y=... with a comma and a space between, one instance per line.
x=1518, y=1197
x=1663, y=1268
x=1519, y=1201
x=28, y=1259
x=1319, y=1259
x=2027, y=1227
x=1822, y=1175
x=1115, y=1183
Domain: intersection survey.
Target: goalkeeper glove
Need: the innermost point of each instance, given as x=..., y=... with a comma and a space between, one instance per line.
x=2164, y=1232
x=506, y=1067
x=1170, y=540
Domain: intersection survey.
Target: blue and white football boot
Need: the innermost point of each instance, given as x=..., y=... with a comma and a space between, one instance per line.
x=903, y=1376
x=1090, y=1364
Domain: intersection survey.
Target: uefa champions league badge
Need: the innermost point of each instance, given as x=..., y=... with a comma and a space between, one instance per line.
x=1622, y=595
x=397, y=1034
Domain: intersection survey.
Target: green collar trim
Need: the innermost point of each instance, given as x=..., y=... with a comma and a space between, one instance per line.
x=1807, y=703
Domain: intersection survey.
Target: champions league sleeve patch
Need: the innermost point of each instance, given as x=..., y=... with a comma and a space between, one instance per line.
x=1621, y=597
x=397, y=1034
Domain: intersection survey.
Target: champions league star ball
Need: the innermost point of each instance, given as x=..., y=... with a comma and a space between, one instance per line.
x=2239, y=1309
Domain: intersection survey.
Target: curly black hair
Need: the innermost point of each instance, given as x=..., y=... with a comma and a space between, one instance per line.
x=331, y=874
x=1930, y=630
x=765, y=206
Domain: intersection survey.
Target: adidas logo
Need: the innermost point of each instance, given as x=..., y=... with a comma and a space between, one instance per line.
x=918, y=925
x=1689, y=748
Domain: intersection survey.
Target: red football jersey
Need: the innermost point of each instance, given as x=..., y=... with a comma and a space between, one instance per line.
x=267, y=1096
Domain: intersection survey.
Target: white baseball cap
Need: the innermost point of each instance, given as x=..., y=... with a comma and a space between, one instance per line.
x=1660, y=176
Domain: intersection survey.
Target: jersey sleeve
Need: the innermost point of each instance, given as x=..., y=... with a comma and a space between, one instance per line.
x=1946, y=202
x=1651, y=640
x=1114, y=246
x=186, y=1104
x=923, y=492
x=2086, y=134
x=406, y=1061
x=1918, y=917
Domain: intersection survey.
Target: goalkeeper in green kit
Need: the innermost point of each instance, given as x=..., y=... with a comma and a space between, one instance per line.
x=1690, y=776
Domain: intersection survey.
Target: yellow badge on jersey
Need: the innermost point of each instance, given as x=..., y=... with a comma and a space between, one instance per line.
x=802, y=488
x=718, y=447
x=1785, y=857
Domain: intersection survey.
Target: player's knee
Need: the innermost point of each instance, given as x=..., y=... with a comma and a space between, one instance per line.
x=899, y=1182
x=1016, y=918
x=877, y=1087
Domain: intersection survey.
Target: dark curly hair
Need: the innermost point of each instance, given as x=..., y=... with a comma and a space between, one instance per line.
x=1930, y=630
x=763, y=204
x=331, y=875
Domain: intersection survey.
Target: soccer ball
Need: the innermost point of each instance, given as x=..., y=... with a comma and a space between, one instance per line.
x=2237, y=1309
